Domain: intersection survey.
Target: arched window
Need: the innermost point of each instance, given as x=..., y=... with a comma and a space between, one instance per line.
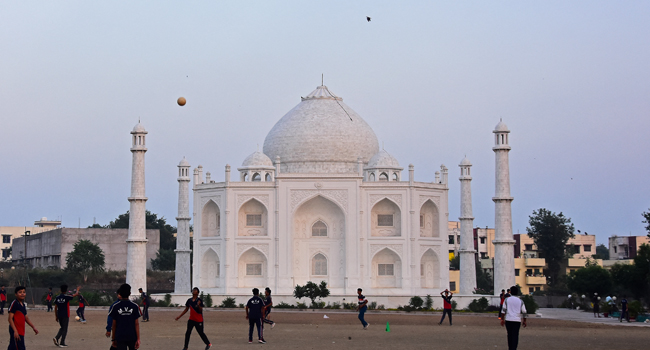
x=371, y=177
x=319, y=265
x=267, y=178
x=319, y=229
x=257, y=177
x=395, y=177
x=383, y=177
x=244, y=177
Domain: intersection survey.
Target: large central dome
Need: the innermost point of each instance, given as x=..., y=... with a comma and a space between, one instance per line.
x=317, y=136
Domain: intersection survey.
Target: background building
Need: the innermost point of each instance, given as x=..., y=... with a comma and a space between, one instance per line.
x=49, y=249
x=625, y=247
x=8, y=233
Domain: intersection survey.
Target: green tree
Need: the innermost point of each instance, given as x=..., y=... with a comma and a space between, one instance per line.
x=152, y=221
x=312, y=291
x=484, y=281
x=626, y=280
x=642, y=264
x=646, y=216
x=165, y=260
x=590, y=279
x=86, y=257
x=454, y=264
x=551, y=232
x=602, y=252
x=95, y=225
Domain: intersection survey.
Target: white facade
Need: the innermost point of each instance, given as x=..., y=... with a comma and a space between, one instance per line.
x=331, y=206
x=182, y=283
x=467, y=251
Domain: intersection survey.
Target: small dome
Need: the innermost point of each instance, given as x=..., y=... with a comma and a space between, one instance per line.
x=184, y=163
x=501, y=127
x=139, y=128
x=257, y=159
x=383, y=160
x=465, y=162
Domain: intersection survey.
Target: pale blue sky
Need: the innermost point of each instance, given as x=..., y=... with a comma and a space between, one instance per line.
x=570, y=79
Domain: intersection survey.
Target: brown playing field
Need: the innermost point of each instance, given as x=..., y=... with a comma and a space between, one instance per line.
x=228, y=329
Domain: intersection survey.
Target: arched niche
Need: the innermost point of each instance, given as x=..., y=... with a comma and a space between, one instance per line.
x=429, y=220
x=383, y=177
x=319, y=266
x=386, y=269
x=252, y=219
x=319, y=229
x=210, y=266
x=318, y=209
x=371, y=177
x=267, y=177
x=429, y=270
x=252, y=268
x=256, y=177
x=210, y=220
x=386, y=219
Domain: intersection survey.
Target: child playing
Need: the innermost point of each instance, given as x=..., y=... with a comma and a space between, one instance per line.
x=17, y=319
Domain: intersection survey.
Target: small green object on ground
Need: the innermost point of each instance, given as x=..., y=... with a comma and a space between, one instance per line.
x=387, y=327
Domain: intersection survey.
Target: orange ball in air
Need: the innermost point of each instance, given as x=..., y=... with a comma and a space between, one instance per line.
x=181, y=101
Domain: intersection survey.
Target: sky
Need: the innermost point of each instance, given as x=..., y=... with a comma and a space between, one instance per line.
x=571, y=80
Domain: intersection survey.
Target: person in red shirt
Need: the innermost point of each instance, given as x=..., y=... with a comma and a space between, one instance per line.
x=49, y=298
x=17, y=319
x=447, y=305
x=195, y=305
x=3, y=300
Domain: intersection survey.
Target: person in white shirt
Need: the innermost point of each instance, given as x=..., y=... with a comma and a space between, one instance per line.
x=515, y=315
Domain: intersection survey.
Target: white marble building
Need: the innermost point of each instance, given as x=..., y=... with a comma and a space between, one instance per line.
x=322, y=202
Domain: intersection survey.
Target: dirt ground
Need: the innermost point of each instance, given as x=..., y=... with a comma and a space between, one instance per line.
x=228, y=329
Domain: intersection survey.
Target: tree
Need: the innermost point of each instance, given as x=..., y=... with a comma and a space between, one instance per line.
x=165, y=260
x=602, y=252
x=484, y=281
x=590, y=279
x=646, y=216
x=551, y=232
x=642, y=264
x=96, y=225
x=85, y=257
x=454, y=264
x=167, y=239
x=625, y=278
x=312, y=291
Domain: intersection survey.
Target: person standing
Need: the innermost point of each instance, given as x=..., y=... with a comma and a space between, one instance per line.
x=49, y=298
x=17, y=319
x=109, y=320
x=446, y=302
x=81, y=308
x=254, y=309
x=62, y=314
x=3, y=300
x=125, y=328
x=362, y=308
x=596, y=302
x=502, y=296
x=515, y=316
x=625, y=312
x=268, y=304
x=195, y=305
x=145, y=305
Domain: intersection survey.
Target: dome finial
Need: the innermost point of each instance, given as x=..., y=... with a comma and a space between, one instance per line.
x=322, y=78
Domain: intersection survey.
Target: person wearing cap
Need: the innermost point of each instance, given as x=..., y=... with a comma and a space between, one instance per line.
x=446, y=300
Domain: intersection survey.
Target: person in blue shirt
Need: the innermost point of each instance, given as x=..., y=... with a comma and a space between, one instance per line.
x=17, y=319
x=145, y=305
x=62, y=314
x=3, y=300
x=254, y=309
x=362, y=308
x=109, y=320
x=195, y=305
x=625, y=312
x=50, y=299
x=125, y=314
x=268, y=304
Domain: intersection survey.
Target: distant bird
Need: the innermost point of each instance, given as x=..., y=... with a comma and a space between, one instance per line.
x=368, y=18
x=579, y=231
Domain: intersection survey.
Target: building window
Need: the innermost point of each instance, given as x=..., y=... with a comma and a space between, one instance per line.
x=385, y=220
x=6, y=238
x=257, y=177
x=528, y=247
x=383, y=177
x=529, y=272
x=516, y=272
x=484, y=256
x=572, y=270
x=254, y=220
x=587, y=247
x=451, y=239
x=537, y=289
x=319, y=229
x=452, y=285
x=5, y=253
x=482, y=240
x=385, y=269
x=319, y=266
x=253, y=269
x=615, y=250
x=531, y=290
x=421, y=221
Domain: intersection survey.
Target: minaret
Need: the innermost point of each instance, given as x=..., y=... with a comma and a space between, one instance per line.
x=504, y=253
x=466, y=251
x=136, y=243
x=183, y=283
